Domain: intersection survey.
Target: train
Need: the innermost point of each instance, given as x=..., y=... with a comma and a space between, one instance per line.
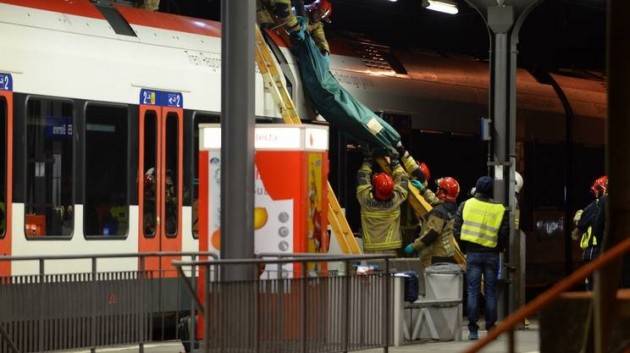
x=100, y=107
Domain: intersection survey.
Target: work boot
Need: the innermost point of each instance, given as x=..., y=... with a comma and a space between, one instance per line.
x=473, y=336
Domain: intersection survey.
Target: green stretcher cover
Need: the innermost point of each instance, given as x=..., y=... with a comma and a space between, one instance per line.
x=333, y=102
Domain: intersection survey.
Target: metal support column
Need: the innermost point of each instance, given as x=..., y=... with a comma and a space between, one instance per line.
x=504, y=19
x=618, y=169
x=237, y=135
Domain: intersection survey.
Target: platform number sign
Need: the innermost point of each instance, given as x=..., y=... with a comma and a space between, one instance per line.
x=174, y=100
x=161, y=98
x=6, y=82
x=148, y=97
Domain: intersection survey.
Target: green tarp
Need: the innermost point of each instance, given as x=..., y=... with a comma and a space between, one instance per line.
x=333, y=102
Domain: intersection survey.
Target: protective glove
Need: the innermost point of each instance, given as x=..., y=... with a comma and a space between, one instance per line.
x=409, y=250
x=418, y=175
x=418, y=184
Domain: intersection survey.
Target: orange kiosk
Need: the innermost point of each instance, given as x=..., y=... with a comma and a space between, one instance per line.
x=291, y=214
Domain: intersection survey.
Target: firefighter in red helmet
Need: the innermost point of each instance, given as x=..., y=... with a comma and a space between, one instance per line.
x=420, y=175
x=436, y=242
x=318, y=12
x=380, y=196
x=275, y=13
x=589, y=224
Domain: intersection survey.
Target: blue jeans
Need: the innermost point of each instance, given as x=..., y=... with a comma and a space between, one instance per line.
x=478, y=264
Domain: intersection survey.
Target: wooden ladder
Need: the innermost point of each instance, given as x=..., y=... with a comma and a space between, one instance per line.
x=274, y=82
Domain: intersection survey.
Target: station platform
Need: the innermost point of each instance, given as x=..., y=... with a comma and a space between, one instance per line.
x=527, y=342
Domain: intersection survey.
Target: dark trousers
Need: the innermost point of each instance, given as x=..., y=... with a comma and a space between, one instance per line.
x=478, y=264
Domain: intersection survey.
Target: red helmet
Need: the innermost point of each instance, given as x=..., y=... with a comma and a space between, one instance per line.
x=424, y=168
x=383, y=186
x=320, y=10
x=600, y=186
x=448, y=189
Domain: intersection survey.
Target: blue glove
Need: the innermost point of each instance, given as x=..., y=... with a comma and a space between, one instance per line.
x=419, y=185
x=409, y=250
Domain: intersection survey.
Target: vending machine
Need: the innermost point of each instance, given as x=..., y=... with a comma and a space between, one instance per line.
x=291, y=207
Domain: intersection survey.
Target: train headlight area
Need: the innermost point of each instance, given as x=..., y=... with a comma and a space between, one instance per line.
x=114, y=122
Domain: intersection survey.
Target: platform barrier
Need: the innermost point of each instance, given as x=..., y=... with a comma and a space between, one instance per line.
x=88, y=301
x=296, y=310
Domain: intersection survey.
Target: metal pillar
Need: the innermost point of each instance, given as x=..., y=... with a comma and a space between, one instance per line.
x=237, y=135
x=504, y=19
x=618, y=168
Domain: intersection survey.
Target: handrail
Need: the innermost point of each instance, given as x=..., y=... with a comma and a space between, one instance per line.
x=105, y=256
x=546, y=298
x=284, y=260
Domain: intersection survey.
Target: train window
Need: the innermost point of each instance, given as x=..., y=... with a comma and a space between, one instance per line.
x=171, y=192
x=106, y=209
x=49, y=169
x=199, y=118
x=149, y=219
x=3, y=170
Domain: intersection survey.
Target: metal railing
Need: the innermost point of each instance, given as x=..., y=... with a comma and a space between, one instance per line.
x=291, y=308
x=87, y=301
x=545, y=299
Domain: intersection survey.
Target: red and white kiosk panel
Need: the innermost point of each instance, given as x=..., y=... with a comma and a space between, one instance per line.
x=291, y=214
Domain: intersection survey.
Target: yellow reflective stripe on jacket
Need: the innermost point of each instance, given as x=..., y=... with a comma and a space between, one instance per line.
x=482, y=221
x=380, y=229
x=585, y=241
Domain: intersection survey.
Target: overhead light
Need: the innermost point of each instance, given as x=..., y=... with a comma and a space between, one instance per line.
x=442, y=6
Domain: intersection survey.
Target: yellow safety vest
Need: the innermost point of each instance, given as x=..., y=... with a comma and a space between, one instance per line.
x=585, y=241
x=482, y=221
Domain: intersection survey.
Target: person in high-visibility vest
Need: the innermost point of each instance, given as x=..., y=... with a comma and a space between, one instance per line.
x=482, y=227
x=380, y=196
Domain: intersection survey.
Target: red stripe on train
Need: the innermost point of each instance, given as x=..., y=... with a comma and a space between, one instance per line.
x=170, y=22
x=71, y=7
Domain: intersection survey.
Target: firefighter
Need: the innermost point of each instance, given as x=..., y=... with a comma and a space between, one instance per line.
x=420, y=175
x=587, y=222
x=319, y=12
x=151, y=5
x=436, y=242
x=380, y=196
x=482, y=227
x=275, y=13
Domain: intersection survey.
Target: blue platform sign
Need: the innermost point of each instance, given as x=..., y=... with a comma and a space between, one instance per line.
x=161, y=98
x=6, y=82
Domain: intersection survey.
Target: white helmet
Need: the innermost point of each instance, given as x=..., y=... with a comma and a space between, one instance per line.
x=518, y=179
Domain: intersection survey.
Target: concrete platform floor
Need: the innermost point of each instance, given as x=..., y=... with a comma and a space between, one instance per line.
x=527, y=342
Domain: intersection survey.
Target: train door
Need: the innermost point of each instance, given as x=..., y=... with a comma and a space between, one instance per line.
x=160, y=187
x=6, y=159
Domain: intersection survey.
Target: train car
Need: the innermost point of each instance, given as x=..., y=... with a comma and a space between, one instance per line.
x=100, y=107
